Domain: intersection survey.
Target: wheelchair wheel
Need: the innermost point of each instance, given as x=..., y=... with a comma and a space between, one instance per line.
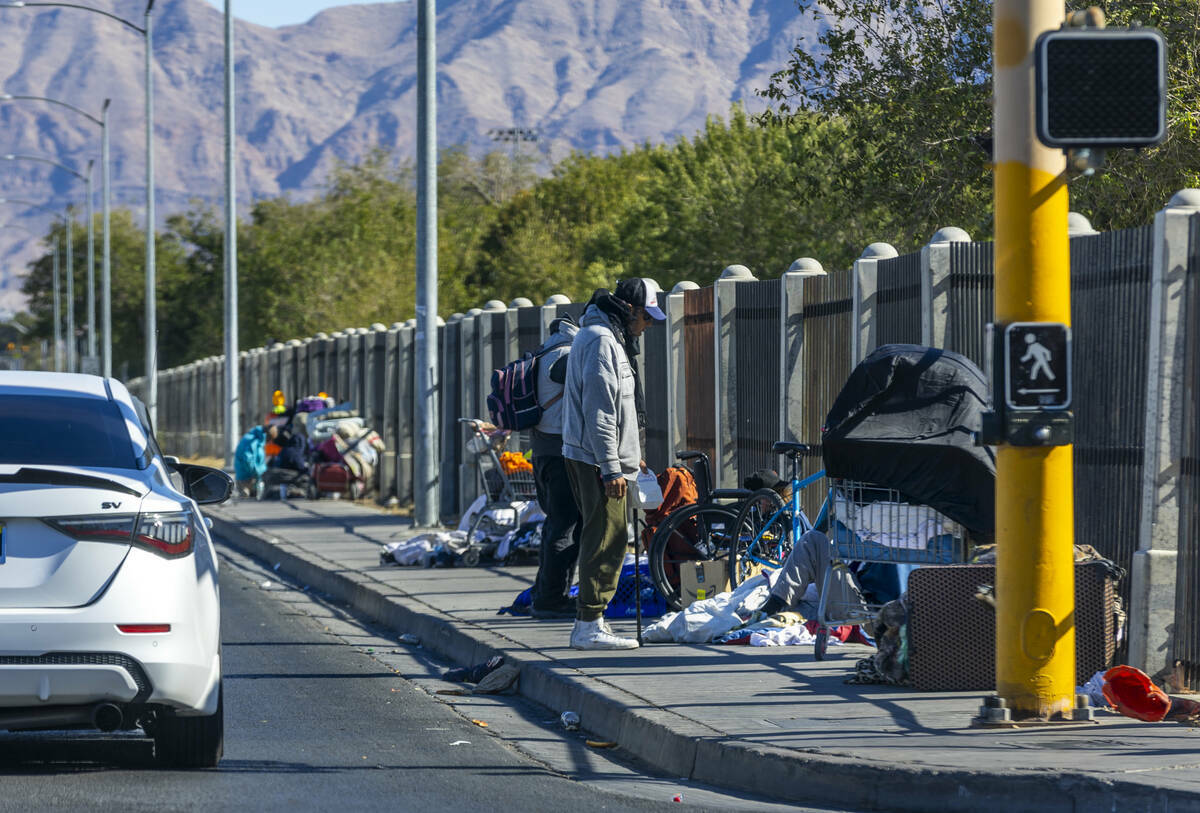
x=691, y=534
x=764, y=536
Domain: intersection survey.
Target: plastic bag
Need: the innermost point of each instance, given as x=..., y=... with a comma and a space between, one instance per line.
x=647, y=492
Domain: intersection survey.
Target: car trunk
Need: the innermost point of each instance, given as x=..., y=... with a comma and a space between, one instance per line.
x=43, y=561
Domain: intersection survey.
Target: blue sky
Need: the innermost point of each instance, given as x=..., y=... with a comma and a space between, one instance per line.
x=280, y=12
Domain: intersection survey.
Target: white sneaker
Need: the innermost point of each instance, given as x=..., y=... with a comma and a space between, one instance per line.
x=594, y=635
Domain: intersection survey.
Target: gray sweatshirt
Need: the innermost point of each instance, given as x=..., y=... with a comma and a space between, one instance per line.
x=547, y=435
x=600, y=424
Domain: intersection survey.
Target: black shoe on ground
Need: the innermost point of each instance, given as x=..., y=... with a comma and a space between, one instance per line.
x=558, y=613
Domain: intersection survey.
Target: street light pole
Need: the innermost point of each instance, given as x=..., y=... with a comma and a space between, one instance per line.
x=106, y=271
x=425, y=488
x=91, y=269
x=58, y=362
x=151, y=281
x=70, y=293
x=232, y=384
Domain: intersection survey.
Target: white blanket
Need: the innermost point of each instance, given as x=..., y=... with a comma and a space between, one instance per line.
x=702, y=621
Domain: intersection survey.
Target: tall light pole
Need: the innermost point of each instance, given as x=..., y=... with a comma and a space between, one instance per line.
x=70, y=293
x=151, y=278
x=151, y=393
x=87, y=179
x=106, y=247
x=57, y=308
x=425, y=489
x=58, y=361
x=232, y=384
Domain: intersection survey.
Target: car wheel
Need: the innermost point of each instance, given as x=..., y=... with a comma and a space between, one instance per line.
x=190, y=742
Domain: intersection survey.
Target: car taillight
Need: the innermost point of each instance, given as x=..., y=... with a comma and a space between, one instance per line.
x=101, y=528
x=167, y=535
x=144, y=628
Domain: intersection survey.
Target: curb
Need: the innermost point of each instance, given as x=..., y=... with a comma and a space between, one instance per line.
x=679, y=746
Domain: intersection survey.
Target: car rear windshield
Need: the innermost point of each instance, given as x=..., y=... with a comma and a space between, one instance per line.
x=57, y=430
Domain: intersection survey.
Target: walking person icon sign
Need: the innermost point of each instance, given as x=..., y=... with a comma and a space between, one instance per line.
x=1037, y=362
x=1041, y=358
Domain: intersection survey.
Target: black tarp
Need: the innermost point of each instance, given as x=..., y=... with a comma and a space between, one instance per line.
x=906, y=419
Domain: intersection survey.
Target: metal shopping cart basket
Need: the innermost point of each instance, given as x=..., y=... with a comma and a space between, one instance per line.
x=505, y=490
x=869, y=523
x=908, y=484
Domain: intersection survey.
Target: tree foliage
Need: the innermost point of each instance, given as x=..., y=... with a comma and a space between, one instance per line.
x=910, y=80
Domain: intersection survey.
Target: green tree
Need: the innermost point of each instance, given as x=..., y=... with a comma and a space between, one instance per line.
x=910, y=81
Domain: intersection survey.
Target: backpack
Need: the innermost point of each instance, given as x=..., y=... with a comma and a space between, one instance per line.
x=513, y=403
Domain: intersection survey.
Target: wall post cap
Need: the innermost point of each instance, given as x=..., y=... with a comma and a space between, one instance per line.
x=378, y=327
x=684, y=285
x=474, y=311
x=879, y=251
x=1185, y=199
x=806, y=265
x=521, y=302
x=950, y=234
x=1078, y=225
x=494, y=305
x=559, y=299
x=739, y=272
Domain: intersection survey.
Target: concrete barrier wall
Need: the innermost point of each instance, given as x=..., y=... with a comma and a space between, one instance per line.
x=746, y=361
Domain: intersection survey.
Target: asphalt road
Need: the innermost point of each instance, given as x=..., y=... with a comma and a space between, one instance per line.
x=324, y=713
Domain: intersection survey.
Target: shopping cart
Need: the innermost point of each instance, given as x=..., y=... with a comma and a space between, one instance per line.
x=506, y=491
x=869, y=523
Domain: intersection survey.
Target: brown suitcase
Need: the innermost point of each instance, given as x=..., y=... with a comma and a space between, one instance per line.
x=952, y=634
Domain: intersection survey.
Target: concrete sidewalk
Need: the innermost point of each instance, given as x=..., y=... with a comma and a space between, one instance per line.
x=768, y=720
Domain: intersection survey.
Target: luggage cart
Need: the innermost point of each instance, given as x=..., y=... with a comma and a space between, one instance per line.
x=499, y=514
x=874, y=523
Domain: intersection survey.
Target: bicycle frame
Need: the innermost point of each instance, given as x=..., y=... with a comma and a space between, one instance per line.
x=794, y=512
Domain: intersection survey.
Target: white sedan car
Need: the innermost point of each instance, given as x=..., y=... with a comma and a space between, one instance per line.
x=109, y=606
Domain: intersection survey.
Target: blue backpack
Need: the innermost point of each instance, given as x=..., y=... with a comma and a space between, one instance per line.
x=513, y=403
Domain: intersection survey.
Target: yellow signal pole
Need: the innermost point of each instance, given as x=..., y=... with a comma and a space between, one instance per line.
x=1035, y=521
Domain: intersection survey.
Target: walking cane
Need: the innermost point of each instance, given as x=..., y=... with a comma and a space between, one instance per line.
x=637, y=576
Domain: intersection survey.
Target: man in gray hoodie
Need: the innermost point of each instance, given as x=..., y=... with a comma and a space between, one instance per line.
x=560, y=530
x=603, y=424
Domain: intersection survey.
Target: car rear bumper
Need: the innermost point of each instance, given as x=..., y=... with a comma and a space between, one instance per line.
x=74, y=656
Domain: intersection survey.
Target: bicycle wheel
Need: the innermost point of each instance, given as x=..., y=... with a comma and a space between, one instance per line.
x=693, y=533
x=764, y=536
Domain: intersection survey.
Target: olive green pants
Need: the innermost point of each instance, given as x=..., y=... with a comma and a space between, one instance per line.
x=602, y=540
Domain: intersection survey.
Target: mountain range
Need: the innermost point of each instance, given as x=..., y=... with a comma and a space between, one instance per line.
x=591, y=75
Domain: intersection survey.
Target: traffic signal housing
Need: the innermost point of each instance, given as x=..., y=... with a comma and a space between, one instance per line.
x=1104, y=88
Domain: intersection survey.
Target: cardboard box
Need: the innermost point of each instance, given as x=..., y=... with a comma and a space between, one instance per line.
x=701, y=580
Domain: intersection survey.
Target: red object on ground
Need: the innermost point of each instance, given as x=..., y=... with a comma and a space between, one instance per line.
x=1133, y=694
x=331, y=477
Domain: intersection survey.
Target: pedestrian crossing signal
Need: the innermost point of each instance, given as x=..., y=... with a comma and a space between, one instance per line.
x=1104, y=88
x=1037, y=362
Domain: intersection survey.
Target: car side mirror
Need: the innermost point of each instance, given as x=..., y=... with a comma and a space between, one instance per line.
x=205, y=485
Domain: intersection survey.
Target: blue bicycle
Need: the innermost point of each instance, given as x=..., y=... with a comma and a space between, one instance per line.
x=767, y=528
